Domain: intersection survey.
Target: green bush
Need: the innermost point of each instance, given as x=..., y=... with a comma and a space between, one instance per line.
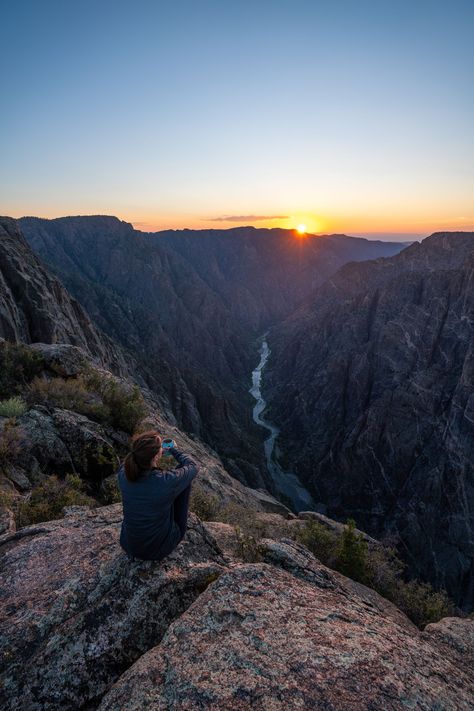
x=352, y=554
x=7, y=498
x=110, y=491
x=127, y=407
x=94, y=395
x=18, y=365
x=124, y=403
x=421, y=603
x=205, y=506
x=319, y=540
x=243, y=518
x=47, y=501
x=70, y=394
x=13, y=407
x=13, y=443
x=377, y=567
x=248, y=548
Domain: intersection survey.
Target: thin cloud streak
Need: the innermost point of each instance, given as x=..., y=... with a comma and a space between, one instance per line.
x=246, y=218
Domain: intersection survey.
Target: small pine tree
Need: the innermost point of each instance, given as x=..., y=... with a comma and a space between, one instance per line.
x=352, y=553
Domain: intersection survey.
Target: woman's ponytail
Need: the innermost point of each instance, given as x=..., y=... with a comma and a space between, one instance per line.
x=132, y=471
x=144, y=448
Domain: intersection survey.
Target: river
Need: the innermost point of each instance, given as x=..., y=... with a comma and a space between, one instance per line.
x=285, y=482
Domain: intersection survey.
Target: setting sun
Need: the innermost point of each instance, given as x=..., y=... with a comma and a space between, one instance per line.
x=301, y=229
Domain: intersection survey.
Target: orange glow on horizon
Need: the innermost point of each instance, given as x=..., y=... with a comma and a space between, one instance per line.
x=416, y=222
x=370, y=225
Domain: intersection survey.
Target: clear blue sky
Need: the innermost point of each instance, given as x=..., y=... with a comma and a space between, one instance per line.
x=347, y=116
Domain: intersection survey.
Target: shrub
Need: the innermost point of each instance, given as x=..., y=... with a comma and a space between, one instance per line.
x=204, y=505
x=13, y=442
x=124, y=402
x=70, y=394
x=7, y=498
x=18, y=365
x=421, y=603
x=248, y=548
x=319, y=540
x=13, y=407
x=92, y=394
x=243, y=518
x=46, y=501
x=352, y=554
x=378, y=567
x=110, y=491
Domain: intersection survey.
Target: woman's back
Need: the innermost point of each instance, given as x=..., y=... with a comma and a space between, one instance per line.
x=149, y=529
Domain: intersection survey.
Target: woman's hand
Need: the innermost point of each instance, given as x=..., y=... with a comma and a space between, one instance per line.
x=167, y=444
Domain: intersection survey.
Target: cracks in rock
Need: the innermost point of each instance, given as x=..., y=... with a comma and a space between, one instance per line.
x=22, y=533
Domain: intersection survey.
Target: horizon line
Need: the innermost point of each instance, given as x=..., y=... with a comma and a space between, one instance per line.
x=139, y=226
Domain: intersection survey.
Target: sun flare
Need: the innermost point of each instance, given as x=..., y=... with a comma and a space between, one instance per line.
x=301, y=229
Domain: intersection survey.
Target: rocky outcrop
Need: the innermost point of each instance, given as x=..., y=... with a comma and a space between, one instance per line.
x=50, y=440
x=76, y=612
x=371, y=384
x=189, y=305
x=83, y=627
x=260, y=638
x=35, y=307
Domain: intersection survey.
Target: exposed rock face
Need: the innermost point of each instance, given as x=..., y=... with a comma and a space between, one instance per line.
x=35, y=307
x=261, y=274
x=189, y=304
x=76, y=612
x=53, y=440
x=203, y=631
x=371, y=382
x=260, y=639
x=65, y=442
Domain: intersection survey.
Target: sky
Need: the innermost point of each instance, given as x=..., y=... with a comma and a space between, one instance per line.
x=344, y=116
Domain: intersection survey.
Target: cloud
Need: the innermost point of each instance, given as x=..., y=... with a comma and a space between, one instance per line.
x=247, y=218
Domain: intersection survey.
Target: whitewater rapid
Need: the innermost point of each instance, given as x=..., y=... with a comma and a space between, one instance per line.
x=285, y=482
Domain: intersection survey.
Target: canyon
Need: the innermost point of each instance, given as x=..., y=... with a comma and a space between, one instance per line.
x=190, y=305
x=350, y=395
x=371, y=383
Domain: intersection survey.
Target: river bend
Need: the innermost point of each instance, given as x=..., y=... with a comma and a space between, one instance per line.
x=285, y=482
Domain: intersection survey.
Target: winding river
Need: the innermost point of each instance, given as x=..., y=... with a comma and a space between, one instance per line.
x=285, y=482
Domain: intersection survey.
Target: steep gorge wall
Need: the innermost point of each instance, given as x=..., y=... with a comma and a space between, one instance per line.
x=372, y=385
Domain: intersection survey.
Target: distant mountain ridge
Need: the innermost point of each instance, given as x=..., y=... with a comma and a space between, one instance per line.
x=190, y=308
x=371, y=381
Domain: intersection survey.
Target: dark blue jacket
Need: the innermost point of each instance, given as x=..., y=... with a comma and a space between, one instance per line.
x=149, y=531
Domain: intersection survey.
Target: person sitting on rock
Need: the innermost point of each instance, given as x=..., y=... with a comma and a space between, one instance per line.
x=155, y=502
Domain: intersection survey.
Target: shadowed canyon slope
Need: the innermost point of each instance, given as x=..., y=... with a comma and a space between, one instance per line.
x=34, y=306
x=371, y=382
x=54, y=434
x=189, y=306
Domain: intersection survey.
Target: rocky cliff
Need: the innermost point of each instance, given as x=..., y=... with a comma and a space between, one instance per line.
x=83, y=628
x=189, y=305
x=34, y=306
x=59, y=427
x=228, y=621
x=57, y=434
x=371, y=382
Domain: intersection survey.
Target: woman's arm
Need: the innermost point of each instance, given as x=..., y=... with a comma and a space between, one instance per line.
x=179, y=479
